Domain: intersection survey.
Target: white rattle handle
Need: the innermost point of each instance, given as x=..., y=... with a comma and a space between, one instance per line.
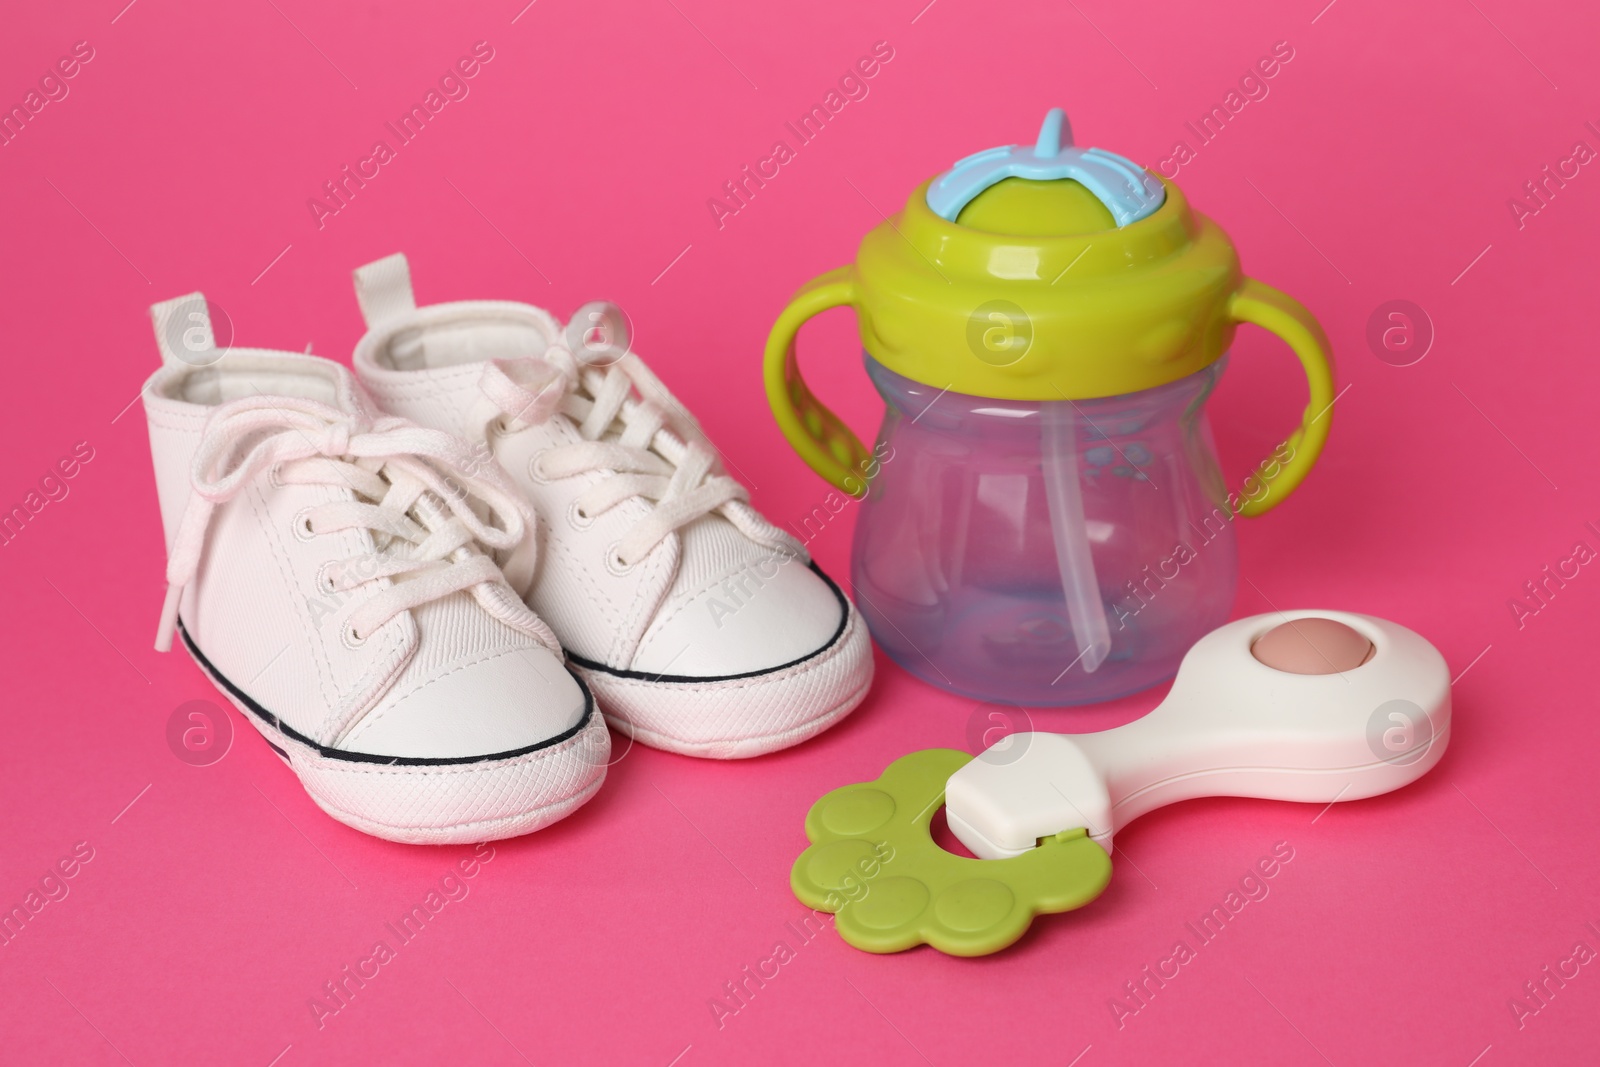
x=1231, y=726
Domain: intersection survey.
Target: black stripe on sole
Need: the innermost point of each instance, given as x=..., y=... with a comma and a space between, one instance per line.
x=618, y=672
x=367, y=757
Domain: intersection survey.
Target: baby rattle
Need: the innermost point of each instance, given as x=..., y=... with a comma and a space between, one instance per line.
x=1312, y=706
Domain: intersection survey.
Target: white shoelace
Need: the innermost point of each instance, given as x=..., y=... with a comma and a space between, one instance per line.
x=654, y=451
x=414, y=490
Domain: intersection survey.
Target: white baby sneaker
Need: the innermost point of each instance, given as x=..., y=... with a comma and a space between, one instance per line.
x=328, y=568
x=701, y=627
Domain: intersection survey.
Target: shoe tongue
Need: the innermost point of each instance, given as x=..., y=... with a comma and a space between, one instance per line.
x=438, y=346
x=318, y=379
x=430, y=512
x=348, y=396
x=245, y=374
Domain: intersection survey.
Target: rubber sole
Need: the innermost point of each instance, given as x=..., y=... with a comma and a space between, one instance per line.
x=745, y=747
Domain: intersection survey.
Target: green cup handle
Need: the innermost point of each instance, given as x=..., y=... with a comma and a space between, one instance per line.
x=833, y=450
x=827, y=445
x=1277, y=476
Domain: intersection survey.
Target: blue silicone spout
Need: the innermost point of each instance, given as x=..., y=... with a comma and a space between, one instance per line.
x=1127, y=190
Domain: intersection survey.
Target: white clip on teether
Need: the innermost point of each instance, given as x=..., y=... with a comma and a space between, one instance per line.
x=1313, y=706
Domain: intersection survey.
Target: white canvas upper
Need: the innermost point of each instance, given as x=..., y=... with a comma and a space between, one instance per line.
x=702, y=627
x=329, y=567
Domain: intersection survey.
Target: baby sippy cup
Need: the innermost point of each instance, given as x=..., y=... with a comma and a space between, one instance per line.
x=1043, y=519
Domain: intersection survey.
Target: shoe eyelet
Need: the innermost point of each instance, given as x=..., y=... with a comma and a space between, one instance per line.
x=536, y=469
x=301, y=524
x=325, y=580
x=272, y=476
x=578, y=518
x=350, y=638
x=614, y=562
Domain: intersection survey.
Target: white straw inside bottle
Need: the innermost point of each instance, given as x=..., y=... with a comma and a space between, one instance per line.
x=1065, y=499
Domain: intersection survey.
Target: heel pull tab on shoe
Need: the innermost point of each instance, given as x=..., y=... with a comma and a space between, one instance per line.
x=383, y=289
x=183, y=332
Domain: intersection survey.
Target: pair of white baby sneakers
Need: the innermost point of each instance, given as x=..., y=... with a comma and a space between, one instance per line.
x=430, y=584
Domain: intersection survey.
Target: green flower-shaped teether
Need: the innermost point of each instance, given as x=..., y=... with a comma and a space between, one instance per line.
x=874, y=863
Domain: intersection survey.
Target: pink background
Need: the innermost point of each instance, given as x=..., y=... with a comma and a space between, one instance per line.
x=578, y=167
